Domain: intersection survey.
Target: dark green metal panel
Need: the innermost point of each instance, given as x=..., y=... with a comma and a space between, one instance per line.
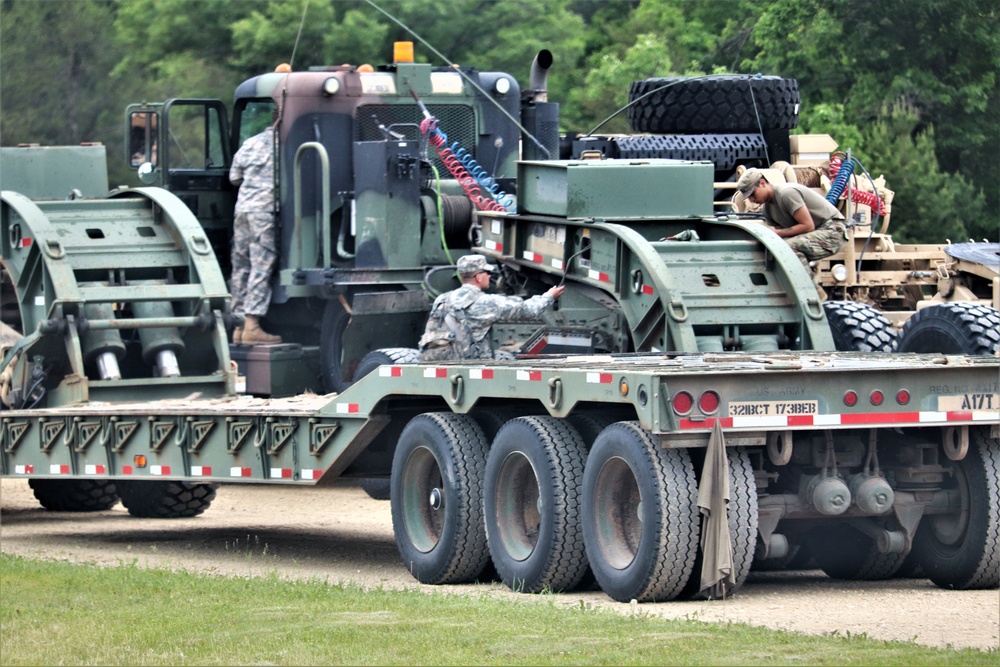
x=55, y=172
x=615, y=189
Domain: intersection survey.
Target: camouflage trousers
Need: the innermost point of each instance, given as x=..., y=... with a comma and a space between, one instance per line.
x=253, y=258
x=819, y=243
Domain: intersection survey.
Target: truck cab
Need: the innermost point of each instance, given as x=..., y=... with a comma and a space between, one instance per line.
x=365, y=210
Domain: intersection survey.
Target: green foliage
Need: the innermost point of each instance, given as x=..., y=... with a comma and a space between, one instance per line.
x=56, y=613
x=929, y=203
x=69, y=68
x=357, y=37
x=831, y=119
x=264, y=38
x=603, y=93
x=55, y=59
x=940, y=57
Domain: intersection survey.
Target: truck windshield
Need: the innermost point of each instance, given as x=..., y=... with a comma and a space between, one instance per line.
x=254, y=117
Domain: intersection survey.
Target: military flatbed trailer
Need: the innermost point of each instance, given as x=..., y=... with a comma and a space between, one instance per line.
x=566, y=462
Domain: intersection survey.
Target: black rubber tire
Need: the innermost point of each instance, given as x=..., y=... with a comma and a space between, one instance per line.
x=715, y=105
x=75, y=495
x=962, y=550
x=377, y=488
x=590, y=424
x=910, y=569
x=742, y=519
x=386, y=356
x=440, y=455
x=952, y=328
x=531, y=499
x=331, y=352
x=857, y=327
x=629, y=473
x=165, y=499
x=844, y=552
x=725, y=151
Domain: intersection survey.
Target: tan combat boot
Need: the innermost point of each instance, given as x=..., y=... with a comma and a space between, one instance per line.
x=253, y=334
x=238, y=336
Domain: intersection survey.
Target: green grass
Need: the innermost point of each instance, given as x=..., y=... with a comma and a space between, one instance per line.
x=56, y=613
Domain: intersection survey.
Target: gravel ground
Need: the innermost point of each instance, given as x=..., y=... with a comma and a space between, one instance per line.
x=338, y=534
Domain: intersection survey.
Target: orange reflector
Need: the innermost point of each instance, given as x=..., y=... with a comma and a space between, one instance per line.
x=139, y=460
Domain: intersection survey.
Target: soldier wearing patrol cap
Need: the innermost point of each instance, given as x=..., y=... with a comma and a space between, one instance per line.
x=460, y=320
x=812, y=226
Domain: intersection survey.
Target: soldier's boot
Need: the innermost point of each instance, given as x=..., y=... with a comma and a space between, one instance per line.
x=238, y=336
x=253, y=334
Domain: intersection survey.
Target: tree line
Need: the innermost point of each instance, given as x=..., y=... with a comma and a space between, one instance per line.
x=910, y=86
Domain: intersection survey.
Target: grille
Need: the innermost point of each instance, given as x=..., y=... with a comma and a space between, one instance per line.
x=456, y=121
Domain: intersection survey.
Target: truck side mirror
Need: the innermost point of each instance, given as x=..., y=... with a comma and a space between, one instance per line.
x=147, y=173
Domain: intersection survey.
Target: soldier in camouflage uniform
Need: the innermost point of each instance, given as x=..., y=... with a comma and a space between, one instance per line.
x=460, y=320
x=813, y=227
x=253, y=251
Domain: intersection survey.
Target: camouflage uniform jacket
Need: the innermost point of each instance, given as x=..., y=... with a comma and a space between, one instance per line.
x=253, y=164
x=460, y=322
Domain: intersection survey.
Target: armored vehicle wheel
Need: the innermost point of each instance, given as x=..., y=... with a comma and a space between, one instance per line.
x=742, y=519
x=532, y=504
x=857, y=327
x=719, y=104
x=844, y=552
x=74, y=495
x=961, y=549
x=952, y=328
x=437, y=502
x=640, y=515
x=168, y=499
x=334, y=367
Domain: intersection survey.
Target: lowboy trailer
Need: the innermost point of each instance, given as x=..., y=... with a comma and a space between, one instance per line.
x=549, y=465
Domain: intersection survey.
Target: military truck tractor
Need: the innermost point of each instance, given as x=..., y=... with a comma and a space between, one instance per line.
x=689, y=344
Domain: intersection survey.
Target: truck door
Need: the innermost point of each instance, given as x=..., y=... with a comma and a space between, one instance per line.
x=191, y=158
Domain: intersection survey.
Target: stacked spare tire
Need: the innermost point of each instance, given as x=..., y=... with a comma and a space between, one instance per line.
x=728, y=120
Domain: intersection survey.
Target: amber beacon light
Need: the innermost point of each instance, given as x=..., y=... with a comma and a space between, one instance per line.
x=402, y=52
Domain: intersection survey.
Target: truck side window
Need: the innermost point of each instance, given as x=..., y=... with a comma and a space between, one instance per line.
x=142, y=137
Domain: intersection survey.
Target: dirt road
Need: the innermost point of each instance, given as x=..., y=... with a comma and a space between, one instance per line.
x=340, y=535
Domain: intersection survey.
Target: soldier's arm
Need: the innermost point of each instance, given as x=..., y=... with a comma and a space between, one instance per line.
x=796, y=207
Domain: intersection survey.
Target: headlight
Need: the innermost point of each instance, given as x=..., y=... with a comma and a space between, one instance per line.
x=502, y=86
x=840, y=273
x=331, y=86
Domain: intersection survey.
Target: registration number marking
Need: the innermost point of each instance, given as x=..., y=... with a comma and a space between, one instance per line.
x=772, y=408
x=960, y=402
